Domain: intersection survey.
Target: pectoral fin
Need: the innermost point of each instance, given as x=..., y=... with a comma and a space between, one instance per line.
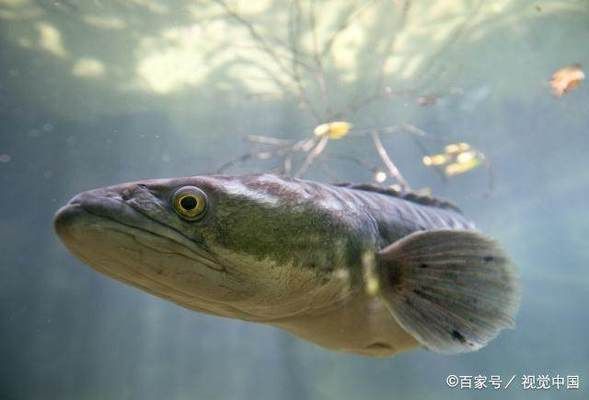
x=454, y=291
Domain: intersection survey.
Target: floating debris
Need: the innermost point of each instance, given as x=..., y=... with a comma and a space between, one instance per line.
x=566, y=79
x=456, y=148
x=464, y=162
x=457, y=159
x=380, y=176
x=436, y=159
x=333, y=130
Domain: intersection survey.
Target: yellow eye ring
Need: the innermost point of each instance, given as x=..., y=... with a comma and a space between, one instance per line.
x=190, y=203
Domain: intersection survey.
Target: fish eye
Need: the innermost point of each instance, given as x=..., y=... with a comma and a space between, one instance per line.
x=190, y=202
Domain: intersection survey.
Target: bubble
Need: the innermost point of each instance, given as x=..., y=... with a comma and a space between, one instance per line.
x=5, y=158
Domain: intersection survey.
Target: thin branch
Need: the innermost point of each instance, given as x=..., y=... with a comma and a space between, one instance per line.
x=285, y=53
x=254, y=34
x=318, y=58
x=348, y=21
x=313, y=154
x=269, y=50
x=271, y=75
x=268, y=140
x=293, y=33
x=231, y=163
x=379, y=92
x=454, y=36
x=393, y=170
x=392, y=44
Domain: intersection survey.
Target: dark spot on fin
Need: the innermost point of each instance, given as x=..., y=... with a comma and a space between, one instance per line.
x=423, y=266
x=488, y=258
x=458, y=336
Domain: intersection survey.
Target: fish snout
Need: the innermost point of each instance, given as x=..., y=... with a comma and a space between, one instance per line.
x=85, y=205
x=65, y=220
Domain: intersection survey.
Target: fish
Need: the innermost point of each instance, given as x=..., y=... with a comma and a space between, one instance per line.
x=354, y=268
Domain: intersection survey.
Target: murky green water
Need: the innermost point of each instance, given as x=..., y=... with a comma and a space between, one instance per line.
x=96, y=93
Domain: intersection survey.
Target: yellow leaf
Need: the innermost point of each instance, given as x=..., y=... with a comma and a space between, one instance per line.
x=457, y=159
x=566, y=79
x=333, y=130
x=436, y=159
x=456, y=148
x=458, y=168
x=466, y=157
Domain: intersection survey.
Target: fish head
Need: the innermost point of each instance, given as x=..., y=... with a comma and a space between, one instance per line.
x=243, y=247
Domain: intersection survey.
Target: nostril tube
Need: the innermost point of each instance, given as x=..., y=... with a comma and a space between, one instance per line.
x=77, y=199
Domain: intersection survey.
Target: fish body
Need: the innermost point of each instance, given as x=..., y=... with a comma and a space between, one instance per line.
x=351, y=268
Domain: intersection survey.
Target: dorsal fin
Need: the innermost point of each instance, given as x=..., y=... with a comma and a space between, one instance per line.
x=405, y=195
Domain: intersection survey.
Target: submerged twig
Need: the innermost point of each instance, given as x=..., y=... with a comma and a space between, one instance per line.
x=390, y=165
x=318, y=58
x=293, y=74
x=347, y=22
x=313, y=154
x=293, y=33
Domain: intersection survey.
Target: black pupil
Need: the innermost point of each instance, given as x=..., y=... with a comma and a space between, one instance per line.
x=188, y=203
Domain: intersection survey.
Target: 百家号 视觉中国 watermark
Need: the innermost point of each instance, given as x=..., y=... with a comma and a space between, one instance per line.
x=524, y=381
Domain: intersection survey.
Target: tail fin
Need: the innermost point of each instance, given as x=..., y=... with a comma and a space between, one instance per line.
x=453, y=290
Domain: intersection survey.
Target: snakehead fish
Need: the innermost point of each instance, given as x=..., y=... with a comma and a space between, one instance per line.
x=354, y=268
